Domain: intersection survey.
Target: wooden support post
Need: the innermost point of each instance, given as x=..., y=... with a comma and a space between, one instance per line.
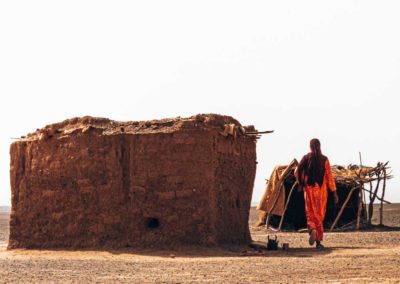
x=360, y=206
x=364, y=201
x=286, y=205
x=267, y=221
x=365, y=215
x=341, y=209
x=360, y=196
x=372, y=199
x=383, y=196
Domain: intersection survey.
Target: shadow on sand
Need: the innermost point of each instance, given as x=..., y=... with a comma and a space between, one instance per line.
x=380, y=228
x=196, y=252
x=240, y=252
x=211, y=252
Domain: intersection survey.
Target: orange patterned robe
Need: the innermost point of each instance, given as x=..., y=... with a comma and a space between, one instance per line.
x=315, y=198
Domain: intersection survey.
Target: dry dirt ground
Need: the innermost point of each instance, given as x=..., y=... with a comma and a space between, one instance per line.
x=371, y=257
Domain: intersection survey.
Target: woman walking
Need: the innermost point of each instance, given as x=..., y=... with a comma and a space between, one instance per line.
x=315, y=177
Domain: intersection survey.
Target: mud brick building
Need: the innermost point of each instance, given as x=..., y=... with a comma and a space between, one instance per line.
x=93, y=182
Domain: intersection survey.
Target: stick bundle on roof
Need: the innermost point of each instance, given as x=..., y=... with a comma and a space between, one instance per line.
x=356, y=177
x=353, y=175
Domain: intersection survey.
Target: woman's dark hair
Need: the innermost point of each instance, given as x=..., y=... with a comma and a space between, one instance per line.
x=312, y=166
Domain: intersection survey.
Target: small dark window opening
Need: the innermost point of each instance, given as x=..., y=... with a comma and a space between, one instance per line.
x=152, y=223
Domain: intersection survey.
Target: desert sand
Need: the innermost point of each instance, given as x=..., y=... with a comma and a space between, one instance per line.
x=372, y=256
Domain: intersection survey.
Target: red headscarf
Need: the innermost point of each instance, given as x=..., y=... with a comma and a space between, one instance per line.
x=311, y=169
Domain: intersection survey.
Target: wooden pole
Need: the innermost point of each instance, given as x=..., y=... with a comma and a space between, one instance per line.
x=383, y=196
x=371, y=204
x=365, y=215
x=341, y=209
x=359, y=209
x=286, y=205
x=360, y=198
x=370, y=198
x=260, y=132
x=371, y=192
x=363, y=194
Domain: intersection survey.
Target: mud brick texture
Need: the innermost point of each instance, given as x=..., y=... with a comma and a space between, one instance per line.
x=96, y=183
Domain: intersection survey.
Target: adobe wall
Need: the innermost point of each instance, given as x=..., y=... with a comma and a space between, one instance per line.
x=92, y=182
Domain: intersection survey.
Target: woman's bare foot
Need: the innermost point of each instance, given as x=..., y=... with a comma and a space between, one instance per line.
x=313, y=236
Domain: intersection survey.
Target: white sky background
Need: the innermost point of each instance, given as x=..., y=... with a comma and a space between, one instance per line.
x=326, y=69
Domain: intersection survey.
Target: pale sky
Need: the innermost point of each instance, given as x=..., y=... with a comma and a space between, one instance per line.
x=326, y=69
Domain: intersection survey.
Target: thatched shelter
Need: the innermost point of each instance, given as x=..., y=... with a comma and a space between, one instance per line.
x=282, y=205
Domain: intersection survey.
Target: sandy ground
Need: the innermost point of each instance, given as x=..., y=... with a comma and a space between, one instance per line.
x=349, y=257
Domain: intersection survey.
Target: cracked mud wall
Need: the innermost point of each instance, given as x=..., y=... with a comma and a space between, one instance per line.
x=87, y=183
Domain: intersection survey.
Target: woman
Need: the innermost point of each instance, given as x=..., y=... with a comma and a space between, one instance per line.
x=314, y=176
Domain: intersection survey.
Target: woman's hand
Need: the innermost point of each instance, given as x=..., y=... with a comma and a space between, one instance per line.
x=335, y=198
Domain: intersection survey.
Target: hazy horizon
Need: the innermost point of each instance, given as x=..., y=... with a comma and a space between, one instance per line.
x=304, y=69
